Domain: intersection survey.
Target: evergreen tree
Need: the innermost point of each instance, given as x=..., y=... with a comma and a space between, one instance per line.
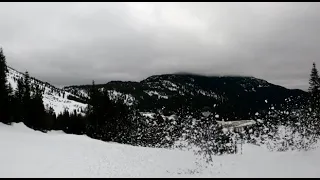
x=26, y=100
x=50, y=119
x=20, y=90
x=75, y=124
x=314, y=88
x=92, y=111
x=4, y=94
x=27, y=87
x=62, y=121
x=18, y=101
x=37, y=110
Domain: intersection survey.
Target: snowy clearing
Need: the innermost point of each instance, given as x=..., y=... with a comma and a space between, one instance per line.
x=28, y=153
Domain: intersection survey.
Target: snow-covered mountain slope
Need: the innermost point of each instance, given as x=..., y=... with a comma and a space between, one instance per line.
x=28, y=153
x=114, y=94
x=52, y=96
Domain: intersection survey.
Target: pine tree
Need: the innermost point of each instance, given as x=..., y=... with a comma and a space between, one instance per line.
x=314, y=88
x=37, y=110
x=26, y=100
x=27, y=87
x=92, y=114
x=50, y=119
x=314, y=79
x=4, y=94
x=20, y=90
x=18, y=101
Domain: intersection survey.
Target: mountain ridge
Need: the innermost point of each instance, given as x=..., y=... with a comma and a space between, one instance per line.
x=185, y=74
x=194, y=91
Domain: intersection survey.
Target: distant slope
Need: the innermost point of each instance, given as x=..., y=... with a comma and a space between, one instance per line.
x=52, y=97
x=230, y=96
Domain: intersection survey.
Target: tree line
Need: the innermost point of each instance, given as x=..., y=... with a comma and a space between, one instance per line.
x=24, y=104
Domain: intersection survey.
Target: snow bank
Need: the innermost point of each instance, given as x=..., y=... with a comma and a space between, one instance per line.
x=29, y=153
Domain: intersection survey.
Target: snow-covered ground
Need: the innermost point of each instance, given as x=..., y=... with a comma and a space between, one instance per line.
x=28, y=153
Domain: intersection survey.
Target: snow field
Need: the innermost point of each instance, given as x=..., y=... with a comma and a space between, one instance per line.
x=28, y=153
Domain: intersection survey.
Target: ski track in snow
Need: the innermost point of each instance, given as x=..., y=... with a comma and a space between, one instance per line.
x=28, y=153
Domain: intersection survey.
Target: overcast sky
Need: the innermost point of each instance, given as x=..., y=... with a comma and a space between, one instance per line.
x=73, y=43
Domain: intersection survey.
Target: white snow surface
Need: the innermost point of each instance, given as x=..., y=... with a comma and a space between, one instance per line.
x=29, y=153
x=151, y=93
x=128, y=98
x=148, y=114
x=241, y=123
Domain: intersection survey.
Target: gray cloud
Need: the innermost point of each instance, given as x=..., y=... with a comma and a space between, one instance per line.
x=73, y=43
